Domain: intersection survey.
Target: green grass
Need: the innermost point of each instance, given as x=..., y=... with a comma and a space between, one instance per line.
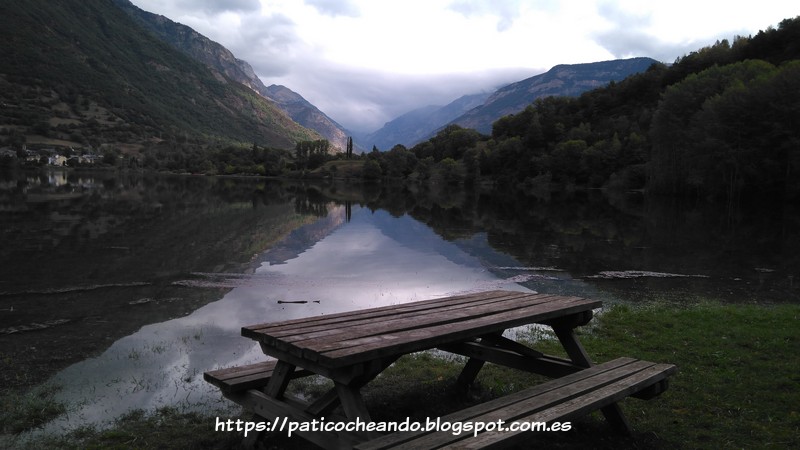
x=163, y=429
x=737, y=386
x=35, y=408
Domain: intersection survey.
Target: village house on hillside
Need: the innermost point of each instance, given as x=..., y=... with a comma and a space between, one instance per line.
x=59, y=157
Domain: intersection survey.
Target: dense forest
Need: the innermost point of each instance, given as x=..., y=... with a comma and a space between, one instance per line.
x=721, y=122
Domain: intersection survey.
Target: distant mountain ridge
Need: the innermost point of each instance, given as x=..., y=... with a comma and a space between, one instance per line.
x=417, y=125
x=562, y=80
x=218, y=57
x=480, y=111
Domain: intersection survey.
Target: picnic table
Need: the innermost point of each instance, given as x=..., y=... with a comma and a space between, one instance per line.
x=352, y=348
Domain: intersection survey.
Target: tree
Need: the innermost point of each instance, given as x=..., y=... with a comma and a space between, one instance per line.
x=398, y=162
x=450, y=171
x=372, y=170
x=311, y=154
x=708, y=130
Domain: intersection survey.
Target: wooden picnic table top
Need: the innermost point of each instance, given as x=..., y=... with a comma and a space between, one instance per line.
x=348, y=338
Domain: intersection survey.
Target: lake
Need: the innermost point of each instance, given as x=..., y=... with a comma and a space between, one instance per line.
x=123, y=288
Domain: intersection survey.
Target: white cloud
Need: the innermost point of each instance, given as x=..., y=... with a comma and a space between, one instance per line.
x=364, y=62
x=505, y=11
x=335, y=7
x=363, y=100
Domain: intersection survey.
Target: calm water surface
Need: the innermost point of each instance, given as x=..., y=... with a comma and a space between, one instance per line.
x=124, y=289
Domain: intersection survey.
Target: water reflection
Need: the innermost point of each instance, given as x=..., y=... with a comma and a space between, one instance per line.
x=372, y=260
x=151, y=277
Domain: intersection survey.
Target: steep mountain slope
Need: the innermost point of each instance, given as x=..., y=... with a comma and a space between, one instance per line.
x=562, y=80
x=306, y=114
x=78, y=72
x=216, y=56
x=419, y=124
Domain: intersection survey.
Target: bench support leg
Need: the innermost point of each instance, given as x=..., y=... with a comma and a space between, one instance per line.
x=573, y=347
x=352, y=402
x=281, y=376
x=252, y=438
x=469, y=372
x=616, y=418
x=613, y=413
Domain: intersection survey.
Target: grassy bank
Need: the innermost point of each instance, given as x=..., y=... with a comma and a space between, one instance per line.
x=737, y=386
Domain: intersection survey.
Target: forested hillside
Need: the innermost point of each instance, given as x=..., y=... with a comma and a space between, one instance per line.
x=82, y=74
x=220, y=59
x=722, y=122
x=563, y=80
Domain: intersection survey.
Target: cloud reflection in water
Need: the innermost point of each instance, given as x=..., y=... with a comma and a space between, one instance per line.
x=373, y=260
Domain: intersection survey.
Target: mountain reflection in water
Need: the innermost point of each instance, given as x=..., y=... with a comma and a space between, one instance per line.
x=373, y=260
x=151, y=278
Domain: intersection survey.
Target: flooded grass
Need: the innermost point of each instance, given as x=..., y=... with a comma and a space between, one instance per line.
x=737, y=387
x=33, y=409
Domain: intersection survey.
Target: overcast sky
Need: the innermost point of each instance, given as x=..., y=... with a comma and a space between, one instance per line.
x=364, y=62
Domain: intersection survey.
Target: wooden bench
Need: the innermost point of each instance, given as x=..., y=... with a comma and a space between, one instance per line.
x=233, y=380
x=559, y=400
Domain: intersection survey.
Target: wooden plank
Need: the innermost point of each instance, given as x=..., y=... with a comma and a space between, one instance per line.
x=344, y=374
x=308, y=337
x=523, y=313
x=544, y=365
x=297, y=349
x=402, y=318
x=422, y=305
x=237, y=371
x=508, y=344
x=517, y=411
x=394, y=323
x=371, y=316
x=251, y=376
x=569, y=305
x=349, y=352
x=571, y=322
x=570, y=401
x=573, y=408
x=394, y=439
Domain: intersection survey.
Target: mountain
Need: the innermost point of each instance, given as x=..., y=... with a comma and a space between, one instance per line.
x=306, y=114
x=83, y=73
x=419, y=124
x=568, y=80
x=219, y=58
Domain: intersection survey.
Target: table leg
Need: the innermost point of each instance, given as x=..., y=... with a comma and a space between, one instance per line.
x=352, y=402
x=469, y=373
x=281, y=375
x=347, y=389
x=613, y=413
x=574, y=349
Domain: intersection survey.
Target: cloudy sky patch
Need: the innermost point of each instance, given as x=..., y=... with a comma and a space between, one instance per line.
x=335, y=7
x=364, y=62
x=216, y=7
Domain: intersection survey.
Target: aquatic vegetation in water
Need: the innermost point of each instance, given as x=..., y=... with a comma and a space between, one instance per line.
x=628, y=274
